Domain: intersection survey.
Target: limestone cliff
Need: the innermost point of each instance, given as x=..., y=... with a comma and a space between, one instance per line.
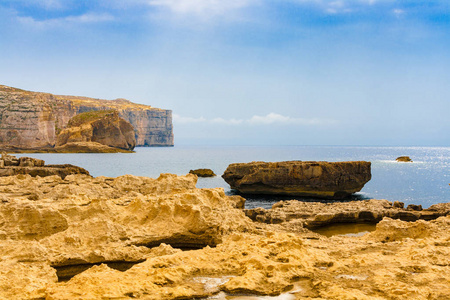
x=33, y=120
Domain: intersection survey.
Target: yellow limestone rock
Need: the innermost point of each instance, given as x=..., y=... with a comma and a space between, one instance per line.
x=135, y=237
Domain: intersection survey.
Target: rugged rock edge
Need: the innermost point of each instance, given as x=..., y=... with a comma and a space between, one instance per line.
x=96, y=238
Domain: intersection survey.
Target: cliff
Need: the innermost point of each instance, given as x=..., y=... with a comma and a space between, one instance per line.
x=30, y=120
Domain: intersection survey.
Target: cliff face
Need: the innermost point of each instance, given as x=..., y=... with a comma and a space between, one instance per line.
x=33, y=120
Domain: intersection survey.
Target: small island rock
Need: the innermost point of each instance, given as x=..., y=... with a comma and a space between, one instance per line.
x=203, y=172
x=103, y=127
x=403, y=159
x=329, y=180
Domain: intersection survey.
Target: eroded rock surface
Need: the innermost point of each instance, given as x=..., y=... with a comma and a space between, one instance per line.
x=123, y=238
x=101, y=127
x=11, y=165
x=295, y=214
x=331, y=180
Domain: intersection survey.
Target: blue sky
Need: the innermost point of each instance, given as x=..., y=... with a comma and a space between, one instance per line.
x=252, y=72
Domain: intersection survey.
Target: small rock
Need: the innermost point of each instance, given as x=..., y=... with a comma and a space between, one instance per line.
x=203, y=172
x=31, y=162
x=9, y=160
x=398, y=204
x=414, y=207
x=404, y=159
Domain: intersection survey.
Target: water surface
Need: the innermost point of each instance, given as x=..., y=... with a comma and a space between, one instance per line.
x=424, y=181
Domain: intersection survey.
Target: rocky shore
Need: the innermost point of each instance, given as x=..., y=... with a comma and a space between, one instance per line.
x=11, y=165
x=134, y=237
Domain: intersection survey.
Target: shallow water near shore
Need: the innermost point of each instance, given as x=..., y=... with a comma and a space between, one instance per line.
x=348, y=229
x=425, y=181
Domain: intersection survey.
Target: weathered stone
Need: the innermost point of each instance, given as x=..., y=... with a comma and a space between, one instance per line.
x=31, y=120
x=203, y=172
x=414, y=207
x=30, y=162
x=331, y=180
x=36, y=167
x=103, y=127
x=88, y=147
x=398, y=204
x=403, y=159
x=9, y=160
x=317, y=214
x=122, y=238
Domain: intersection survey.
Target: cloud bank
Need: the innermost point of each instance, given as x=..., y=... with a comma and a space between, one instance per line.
x=269, y=119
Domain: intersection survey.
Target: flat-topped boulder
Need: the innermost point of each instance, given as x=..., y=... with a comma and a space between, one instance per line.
x=318, y=179
x=203, y=172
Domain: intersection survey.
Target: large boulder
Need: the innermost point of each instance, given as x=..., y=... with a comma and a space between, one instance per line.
x=103, y=127
x=329, y=180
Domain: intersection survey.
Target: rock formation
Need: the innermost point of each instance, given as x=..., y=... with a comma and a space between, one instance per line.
x=135, y=237
x=31, y=120
x=203, y=172
x=298, y=214
x=11, y=165
x=404, y=159
x=104, y=127
x=331, y=180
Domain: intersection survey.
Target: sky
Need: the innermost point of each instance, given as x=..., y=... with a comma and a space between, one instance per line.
x=246, y=72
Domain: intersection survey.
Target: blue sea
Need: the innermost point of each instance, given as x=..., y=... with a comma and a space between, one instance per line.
x=425, y=181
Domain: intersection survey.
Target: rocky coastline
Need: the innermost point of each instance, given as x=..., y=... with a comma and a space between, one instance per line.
x=79, y=237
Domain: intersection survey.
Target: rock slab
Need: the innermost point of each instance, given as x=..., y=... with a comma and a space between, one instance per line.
x=11, y=165
x=328, y=180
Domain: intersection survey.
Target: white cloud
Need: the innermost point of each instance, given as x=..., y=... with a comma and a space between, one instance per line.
x=201, y=7
x=227, y=122
x=85, y=18
x=186, y=120
x=269, y=119
x=398, y=12
x=274, y=118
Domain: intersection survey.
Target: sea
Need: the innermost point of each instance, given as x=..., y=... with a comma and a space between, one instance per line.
x=425, y=181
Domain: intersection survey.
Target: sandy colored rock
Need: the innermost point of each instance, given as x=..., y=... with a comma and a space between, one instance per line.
x=11, y=165
x=135, y=237
x=203, y=172
x=294, y=213
x=331, y=180
x=88, y=147
x=403, y=159
x=102, y=127
x=32, y=120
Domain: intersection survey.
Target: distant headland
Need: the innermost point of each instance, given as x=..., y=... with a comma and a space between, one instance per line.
x=32, y=121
